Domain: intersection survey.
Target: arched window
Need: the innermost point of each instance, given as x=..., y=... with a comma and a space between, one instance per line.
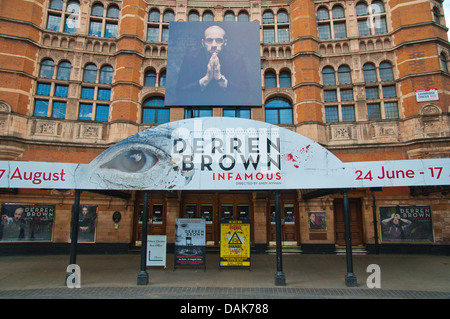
x=150, y=78
x=193, y=16
x=73, y=6
x=229, y=16
x=52, y=97
x=243, y=16
x=370, y=73
x=444, y=64
x=47, y=69
x=338, y=12
x=328, y=76
x=278, y=110
x=113, y=12
x=436, y=15
x=276, y=31
x=162, y=79
x=282, y=16
x=64, y=69
x=169, y=16
x=268, y=17
x=154, y=15
x=90, y=73
x=377, y=7
x=362, y=9
x=270, y=80
x=386, y=72
x=208, y=16
x=153, y=111
x=344, y=75
x=56, y=4
x=71, y=17
x=103, y=27
x=371, y=21
x=339, y=23
x=97, y=10
x=106, y=73
x=285, y=79
x=323, y=14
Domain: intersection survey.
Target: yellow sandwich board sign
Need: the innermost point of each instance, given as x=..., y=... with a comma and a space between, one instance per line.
x=235, y=243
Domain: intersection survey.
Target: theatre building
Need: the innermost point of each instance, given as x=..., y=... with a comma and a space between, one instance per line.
x=367, y=79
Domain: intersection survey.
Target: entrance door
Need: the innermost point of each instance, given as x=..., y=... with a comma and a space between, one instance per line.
x=355, y=213
x=288, y=219
x=156, y=218
x=234, y=211
x=205, y=211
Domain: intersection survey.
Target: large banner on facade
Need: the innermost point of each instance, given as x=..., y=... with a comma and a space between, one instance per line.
x=216, y=153
x=235, y=243
x=213, y=64
x=190, y=241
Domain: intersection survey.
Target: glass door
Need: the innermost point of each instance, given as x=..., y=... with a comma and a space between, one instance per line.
x=205, y=211
x=235, y=212
x=288, y=222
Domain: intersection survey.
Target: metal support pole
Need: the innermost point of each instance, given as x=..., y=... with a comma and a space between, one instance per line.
x=280, y=279
x=142, y=278
x=350, y=278
x=74, y=230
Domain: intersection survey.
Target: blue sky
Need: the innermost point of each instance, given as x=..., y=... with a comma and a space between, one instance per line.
x=447, y=13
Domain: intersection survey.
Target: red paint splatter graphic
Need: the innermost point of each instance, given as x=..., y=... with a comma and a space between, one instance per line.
x=298, y=156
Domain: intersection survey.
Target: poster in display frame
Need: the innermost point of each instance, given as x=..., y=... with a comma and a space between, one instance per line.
x=317, y=221
x=27, y=222
x=156, y=250
x=190, y=242
x=235, y=244
x=406, y=224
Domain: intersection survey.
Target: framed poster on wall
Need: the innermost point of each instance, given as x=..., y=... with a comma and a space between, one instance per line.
x=406, y=224
x=317, y=221
x=22, y=222
x=87, y=224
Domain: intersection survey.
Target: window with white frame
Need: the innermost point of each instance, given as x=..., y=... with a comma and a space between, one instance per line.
x=275, y=26
x=63, y=16
x=95, y=93
x=371, y=18
x=380, y=91
x=103, y=23
x=331, y=26
x=338, y=94
x=52, y=89
x=157, y=28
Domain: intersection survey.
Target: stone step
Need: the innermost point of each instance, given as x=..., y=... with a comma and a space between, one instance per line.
x=287, y=248
x=357, y=250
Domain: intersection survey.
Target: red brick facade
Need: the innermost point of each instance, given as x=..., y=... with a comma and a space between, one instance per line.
x=401, y=44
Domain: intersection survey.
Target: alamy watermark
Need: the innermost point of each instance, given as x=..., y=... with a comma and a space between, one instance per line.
x=374, y=279
x=73, y=278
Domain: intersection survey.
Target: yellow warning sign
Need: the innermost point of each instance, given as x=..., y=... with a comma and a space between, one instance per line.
x=235, y=243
